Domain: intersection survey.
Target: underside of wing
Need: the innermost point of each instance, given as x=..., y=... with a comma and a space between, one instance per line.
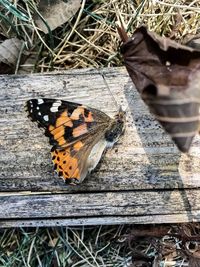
x=74, y=162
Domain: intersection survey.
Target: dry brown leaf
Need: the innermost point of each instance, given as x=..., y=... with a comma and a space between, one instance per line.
x=55, y=13
x=167, y=76
x=192, y=253
x=9, y=54
x=171, y=242
x=193, y=262
x=140, y=259
x=194, y=42
x=149, y=231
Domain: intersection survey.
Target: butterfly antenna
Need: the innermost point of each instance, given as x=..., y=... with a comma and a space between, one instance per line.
x=120, y=24
x=105, y=82
x=124, y=37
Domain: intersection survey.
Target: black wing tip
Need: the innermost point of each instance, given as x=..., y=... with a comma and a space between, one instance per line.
x=30, y=108
x=27, y=109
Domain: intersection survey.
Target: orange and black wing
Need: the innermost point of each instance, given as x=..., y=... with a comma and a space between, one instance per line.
x=73, y=130
x=65, y=122
x=71, y=163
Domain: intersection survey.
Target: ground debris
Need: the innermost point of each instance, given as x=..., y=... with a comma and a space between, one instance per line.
x=165, y=245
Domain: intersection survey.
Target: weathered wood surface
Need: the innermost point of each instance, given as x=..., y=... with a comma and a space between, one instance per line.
x=144, y=179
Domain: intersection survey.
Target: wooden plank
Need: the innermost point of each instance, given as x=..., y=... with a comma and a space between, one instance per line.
x=136, y=179
x=140, y=206
x=146, y=157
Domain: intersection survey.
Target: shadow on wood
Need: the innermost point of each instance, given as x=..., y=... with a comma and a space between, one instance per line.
x=143, y=179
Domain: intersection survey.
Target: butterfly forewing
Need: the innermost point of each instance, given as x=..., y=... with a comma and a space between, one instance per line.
x=64, y=122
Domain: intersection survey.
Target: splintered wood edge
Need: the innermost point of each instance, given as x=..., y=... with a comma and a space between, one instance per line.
x=102, y=220
x=101, y=208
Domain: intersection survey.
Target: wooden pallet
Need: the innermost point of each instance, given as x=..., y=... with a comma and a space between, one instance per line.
x=144, y=179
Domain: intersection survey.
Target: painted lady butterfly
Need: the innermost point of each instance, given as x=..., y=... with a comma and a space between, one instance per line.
x=79, y=134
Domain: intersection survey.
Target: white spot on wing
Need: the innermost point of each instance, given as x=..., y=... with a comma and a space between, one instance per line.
x=57, y=103
x=54, y=109
x=37, y=108
x=55, y=106
x=40, y=101
x=39, y=113
x=46, y=118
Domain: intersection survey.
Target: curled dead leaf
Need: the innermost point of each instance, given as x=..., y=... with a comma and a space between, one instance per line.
x=167, y=76
x=194, y=42
x=140, y=259
x=168, y=244
x=55, y=13
x=9, y=54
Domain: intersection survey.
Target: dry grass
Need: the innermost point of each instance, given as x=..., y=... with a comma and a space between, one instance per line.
x=89, y=39
x=85, y=246
x=102, y=246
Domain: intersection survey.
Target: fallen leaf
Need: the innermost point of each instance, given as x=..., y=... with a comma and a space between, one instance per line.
x=9, y=54
x=149, y=231
x=170, y=243
x=194, y=42
x=167, y=76
x=193, y=262
x=55, y=13
x=193, y=254
x=140, y=259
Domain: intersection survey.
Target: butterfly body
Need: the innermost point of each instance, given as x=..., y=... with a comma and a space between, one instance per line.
x=79, y=135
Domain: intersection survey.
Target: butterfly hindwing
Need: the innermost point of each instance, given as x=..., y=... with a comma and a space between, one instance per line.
x=70, y=162
x=66, y=164
x=76, y=161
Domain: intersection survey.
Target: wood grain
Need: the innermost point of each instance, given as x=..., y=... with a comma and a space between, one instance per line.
x=143, y=179
x=153, y=206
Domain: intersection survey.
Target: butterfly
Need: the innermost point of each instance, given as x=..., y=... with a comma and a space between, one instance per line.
x=79, y=134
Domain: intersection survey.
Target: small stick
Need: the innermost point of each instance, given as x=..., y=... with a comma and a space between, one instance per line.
x=122, y=33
